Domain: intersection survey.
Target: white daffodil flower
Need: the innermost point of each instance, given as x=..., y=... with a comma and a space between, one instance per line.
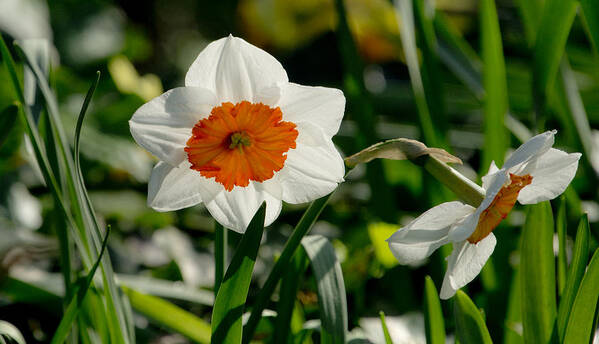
x=534, y=173
x=238, y=134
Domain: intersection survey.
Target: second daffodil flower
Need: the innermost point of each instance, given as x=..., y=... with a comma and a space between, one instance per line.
x=238, y=134
x=534, y=173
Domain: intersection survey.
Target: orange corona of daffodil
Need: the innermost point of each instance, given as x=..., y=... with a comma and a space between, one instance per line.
x=238, y=134
x=534, y=173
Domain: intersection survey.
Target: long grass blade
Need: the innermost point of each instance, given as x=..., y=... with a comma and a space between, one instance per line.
x=556, y=21
x=405, y=11
x=64, y=327
x=580, y=324
x=537, y=274
x=580, y=257
x=388, y=339
x=232, y=294
x=331, y=288
x=495, y=83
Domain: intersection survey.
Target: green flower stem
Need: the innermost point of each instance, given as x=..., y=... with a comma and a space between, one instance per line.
x=282, y=263
x=463, y=187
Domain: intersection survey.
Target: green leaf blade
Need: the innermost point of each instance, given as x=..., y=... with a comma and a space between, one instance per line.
x=580, y=257
x=331, y=288
x=495, y=84
x=556, y=21
x=470, y=325
x=537, y=269
x=232, y=293
x=433, y=315
x=580, y=325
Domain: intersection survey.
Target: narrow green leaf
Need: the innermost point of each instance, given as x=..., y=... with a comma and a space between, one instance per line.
x=495, y=83
x=9, y=62
x=170, y=316
x=230, y=300
x=469, y=322
x=220, y=254
x=88, y=238
x=408, y=41
x=562, y=260
x=556, y=21
x=388, y=339
x=580, y=257
x=331, y=289
x=433, y=315
x=64, y=327
x=537, y=269
x=8, y=118
x=459, y=57
x=287, y=297
x=580, y=324
x=303, y=226
x=590, y=12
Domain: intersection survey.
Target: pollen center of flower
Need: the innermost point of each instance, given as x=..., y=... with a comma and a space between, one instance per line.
x=240, y=142
x=501, y=205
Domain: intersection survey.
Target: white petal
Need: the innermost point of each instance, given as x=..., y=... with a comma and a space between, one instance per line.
x=463, y=230
x=426, y=233
x=321, y=106
x=551, y=174
x=313, y=169
x=465, y=263
x=488, y=177
x=163, y=125
x=537, y=145
x=173, y=188
x=236, y=208
x=235, y=70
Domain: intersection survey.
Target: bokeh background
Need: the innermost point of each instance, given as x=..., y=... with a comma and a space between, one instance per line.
x=143, y=48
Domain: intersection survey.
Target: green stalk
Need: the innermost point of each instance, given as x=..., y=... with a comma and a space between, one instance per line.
x=463, y=187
